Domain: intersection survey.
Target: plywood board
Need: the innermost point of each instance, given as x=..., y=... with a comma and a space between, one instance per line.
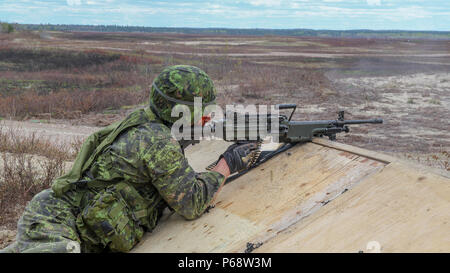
x=265, y=201
x=399, y=209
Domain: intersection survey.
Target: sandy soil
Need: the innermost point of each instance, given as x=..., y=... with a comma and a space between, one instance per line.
x=415, y=108
x=56, y=132
x=277, y=53
x=7, y=237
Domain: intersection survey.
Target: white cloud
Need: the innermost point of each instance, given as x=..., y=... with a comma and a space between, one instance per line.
x=73, y=2
x=374, y=2
x=267, y=3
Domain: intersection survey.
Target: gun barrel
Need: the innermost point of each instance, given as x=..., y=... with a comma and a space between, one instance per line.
x=361, y=121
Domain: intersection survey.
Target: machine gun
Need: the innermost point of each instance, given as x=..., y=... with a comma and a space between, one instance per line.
x=247, y=127
x=251, y=127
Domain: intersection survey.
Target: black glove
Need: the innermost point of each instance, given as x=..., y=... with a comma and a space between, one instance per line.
x=239, y=156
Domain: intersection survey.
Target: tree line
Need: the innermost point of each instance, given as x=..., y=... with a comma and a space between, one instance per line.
x=359, y=33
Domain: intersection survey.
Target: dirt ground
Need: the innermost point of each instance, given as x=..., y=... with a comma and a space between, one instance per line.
x=7, y=237
x=406, y=82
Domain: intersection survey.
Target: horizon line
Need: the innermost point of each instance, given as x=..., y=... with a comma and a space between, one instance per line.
x=231, y=28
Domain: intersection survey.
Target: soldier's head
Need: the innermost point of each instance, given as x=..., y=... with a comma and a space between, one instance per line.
x=179, y=85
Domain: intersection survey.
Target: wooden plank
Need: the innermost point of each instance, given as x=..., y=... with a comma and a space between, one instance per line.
x=263, y=202
x=378, y=156
x=355, y=150
x=399, y=209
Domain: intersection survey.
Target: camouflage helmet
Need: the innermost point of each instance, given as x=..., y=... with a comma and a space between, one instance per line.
x=179, y=85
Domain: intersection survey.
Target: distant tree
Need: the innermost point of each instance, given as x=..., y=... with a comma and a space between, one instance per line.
x=10, y=28
x=7, y=28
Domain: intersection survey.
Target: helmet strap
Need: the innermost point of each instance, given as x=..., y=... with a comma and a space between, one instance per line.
x=156, y=112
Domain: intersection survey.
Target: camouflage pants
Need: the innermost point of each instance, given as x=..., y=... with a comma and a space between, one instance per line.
x=86, y=221
x=48, y=224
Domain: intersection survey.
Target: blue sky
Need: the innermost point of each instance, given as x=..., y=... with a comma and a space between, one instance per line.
x=315, y=14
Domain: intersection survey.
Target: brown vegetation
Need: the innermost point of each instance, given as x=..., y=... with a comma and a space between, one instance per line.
x=66, y=104
x=61, y=82
x=28, y=165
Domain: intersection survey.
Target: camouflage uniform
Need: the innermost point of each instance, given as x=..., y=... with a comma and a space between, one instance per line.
x=134, y=170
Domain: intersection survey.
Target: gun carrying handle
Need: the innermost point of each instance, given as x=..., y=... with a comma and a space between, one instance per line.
x=287, y=106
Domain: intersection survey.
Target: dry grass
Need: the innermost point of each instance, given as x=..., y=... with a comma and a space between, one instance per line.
x=29, y=165
x=67, y=104
x=20, y=180
x=66, y=83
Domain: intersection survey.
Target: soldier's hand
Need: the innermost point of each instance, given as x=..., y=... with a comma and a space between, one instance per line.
x=238, y=156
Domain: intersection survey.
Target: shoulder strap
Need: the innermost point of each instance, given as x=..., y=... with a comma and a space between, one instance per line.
x=94, y=146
